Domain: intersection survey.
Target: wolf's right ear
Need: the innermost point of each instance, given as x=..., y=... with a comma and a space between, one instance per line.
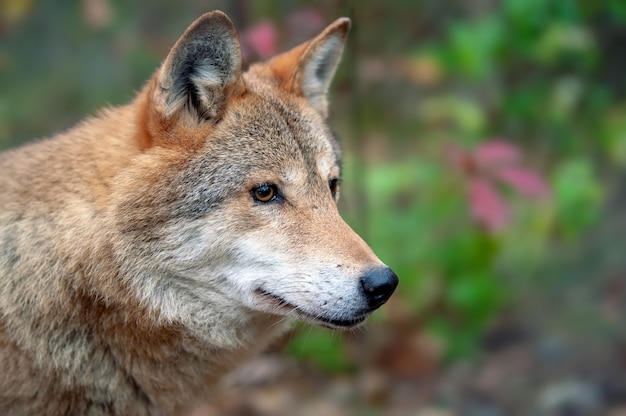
x=202, y=70
x=308, y=69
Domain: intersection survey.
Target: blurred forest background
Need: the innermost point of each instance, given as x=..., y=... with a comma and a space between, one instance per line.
x=485, y=147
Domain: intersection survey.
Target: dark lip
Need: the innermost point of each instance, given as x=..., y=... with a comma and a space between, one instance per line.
x=327, y=322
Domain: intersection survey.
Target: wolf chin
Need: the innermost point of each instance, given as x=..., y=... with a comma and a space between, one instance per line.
x=150, y=249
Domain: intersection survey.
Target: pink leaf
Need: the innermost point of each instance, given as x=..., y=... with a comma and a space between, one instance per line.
x=524, y=181
x=496, y=152
x=261, y=39
x=487, y=207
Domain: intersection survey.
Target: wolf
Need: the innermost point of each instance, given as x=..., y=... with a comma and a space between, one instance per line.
x=149, y=250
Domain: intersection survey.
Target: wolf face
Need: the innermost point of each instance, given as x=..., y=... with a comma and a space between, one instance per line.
x=149, y=250
x=247, y=213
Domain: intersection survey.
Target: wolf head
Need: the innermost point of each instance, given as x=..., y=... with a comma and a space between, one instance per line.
x=230, y=210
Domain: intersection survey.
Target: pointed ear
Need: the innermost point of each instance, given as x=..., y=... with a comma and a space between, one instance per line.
x=202, y=70
x=308, y=69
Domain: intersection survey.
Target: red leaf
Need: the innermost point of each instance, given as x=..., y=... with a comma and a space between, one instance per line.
x=486, y=205
x=524, y=181
x=496, y=152
x=261, y=39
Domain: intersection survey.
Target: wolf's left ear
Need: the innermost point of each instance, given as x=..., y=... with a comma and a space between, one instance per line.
x=202, y=70
x=308, y=69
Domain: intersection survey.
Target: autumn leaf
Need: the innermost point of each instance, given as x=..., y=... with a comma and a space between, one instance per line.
x=487, y=206
x=492, y=164
x=524, y=181
x=261, y=40
x=496, y=152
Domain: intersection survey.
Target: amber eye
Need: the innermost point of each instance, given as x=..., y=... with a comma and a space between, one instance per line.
x=333, y=184
x=264, y=193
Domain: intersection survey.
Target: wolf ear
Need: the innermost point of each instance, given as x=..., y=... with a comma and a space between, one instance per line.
x=202, y=70
x=308, y=69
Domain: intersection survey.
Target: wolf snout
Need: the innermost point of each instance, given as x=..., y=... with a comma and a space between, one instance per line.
x=378, y=284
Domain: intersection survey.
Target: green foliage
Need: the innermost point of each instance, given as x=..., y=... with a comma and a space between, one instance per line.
x=422, y=228
x=320, y=347
x=526, y=71
x=473, y=47
x=460, y=113
x=611, y=134
x=578, y=197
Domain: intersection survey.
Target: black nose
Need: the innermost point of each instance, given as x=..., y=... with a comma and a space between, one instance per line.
x=378, y=285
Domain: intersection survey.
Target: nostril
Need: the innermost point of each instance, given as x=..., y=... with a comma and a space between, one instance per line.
x=378, y=285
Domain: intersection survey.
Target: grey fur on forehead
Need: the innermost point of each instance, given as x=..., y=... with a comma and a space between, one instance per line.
x=298, y=132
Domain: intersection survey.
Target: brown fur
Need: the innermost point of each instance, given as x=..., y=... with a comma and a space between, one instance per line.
x=117, y=237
